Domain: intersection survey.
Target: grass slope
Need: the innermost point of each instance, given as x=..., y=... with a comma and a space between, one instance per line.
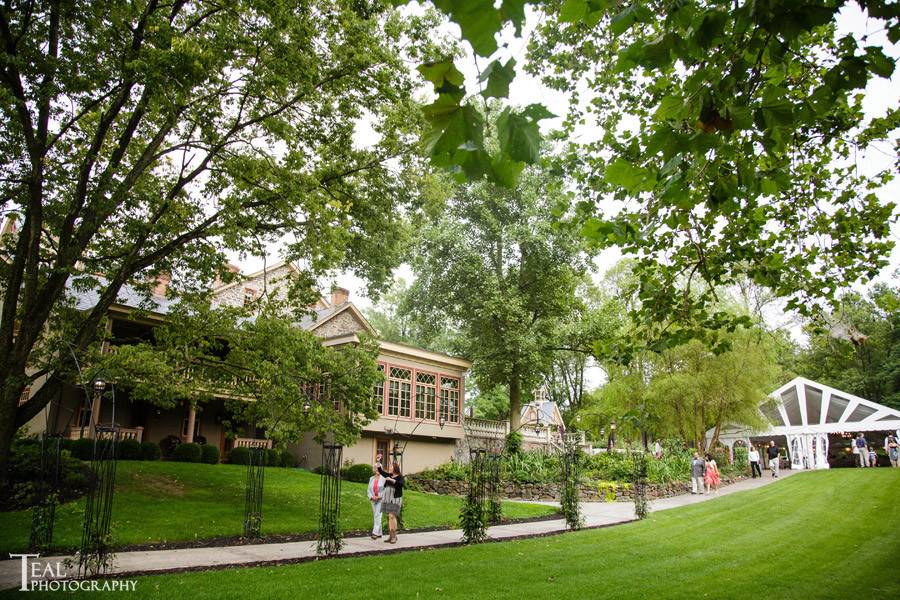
x=827, y=534
x=169, y=502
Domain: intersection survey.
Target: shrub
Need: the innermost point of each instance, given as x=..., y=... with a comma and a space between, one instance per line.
x=82, y=449
x=513, y=443
x=288, y=459
x=168, y=444
x=740, y=457
x=239, y=456
x=209, y=454
x=25, y=472
x=318, y=470
x=451, y=471
x=188, y=452
x=273, y=457
x=531, y=467
x=129, y=450
x=150, y=451
x=359, y=473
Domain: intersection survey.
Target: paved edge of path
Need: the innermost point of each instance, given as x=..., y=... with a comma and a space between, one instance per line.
x=596, y=516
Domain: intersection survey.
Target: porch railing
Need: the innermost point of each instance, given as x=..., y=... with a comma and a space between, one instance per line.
x=125, y=433
x=252, y=443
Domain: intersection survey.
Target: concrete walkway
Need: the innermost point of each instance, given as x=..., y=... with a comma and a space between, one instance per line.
x=596, y=514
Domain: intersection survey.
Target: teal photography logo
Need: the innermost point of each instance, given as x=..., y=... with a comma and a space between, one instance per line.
x=57, y=576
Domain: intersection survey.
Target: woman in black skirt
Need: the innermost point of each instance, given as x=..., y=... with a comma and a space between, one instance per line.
x=393, y=499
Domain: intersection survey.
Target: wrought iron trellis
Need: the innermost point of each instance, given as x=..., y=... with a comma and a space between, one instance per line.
x=43, y=515
x=330, y=534
x=253, y=492
x=95, y=555
x=493, y=510
x=570, y=462
x=472, y=512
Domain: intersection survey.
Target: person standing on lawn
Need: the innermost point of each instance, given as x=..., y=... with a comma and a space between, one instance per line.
x=698, y=471
x=893, y=450
x=774, y=459
x=657, y=450
x=376, y=493
x=393, y=499
x=753, y=457
x=711, y=478
x=862, y=450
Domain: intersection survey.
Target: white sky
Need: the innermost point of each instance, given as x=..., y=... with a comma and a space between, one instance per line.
x=881, y=94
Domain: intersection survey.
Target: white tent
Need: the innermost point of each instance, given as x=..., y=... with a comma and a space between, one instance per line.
x=805, y=412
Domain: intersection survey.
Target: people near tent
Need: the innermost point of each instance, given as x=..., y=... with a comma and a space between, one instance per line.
x=698, y=471
x=657, y=450
x=773, y=454
x=753, y=457
x=393, y=498
x=711, y=477
x=892, y=447
x=873, y=457
x=862, y=450
x=376, y=496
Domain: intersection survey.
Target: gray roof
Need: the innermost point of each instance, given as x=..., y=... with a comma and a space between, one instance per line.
x=310, y=320
x=128, y=296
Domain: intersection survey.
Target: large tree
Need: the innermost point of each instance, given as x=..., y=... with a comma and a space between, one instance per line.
x=149, y=137
x=857, y=348
x=504, y=275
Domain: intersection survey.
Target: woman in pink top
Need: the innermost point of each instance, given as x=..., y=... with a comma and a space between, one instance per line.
x=711, y=479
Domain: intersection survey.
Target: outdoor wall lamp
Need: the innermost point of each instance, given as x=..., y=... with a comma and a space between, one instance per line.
x=99, y=386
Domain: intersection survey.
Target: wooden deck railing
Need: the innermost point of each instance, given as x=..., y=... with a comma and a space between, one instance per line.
x=125, y=433
x=252, y=443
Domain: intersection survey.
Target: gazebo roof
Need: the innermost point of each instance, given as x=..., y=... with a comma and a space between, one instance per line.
x=805, y=406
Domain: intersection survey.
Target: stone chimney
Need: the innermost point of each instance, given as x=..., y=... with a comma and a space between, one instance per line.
x=161, y=285
x=339, y=295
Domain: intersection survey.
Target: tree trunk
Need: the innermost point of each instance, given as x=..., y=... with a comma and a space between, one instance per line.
x=515, y=403
x=9, y=401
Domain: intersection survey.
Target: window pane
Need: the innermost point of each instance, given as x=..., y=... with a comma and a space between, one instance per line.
x=813, y=405
x=399, y=373
x=792, y=406
x=836, y=408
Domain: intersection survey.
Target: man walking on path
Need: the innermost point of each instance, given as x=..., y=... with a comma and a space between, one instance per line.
x=375, y=493
x=698, y=471
x=753, y=457
x=772, y=451
x=862, y=449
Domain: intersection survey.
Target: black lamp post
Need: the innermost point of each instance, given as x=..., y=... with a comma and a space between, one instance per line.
x=611, y=442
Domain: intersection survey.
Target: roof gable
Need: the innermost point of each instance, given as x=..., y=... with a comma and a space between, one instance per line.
x=350, y=314
x=803, y=403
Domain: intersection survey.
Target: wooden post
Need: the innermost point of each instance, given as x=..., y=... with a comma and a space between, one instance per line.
x=95, y=414
x=192, y=418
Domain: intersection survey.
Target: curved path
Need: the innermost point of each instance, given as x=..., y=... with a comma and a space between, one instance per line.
x=596, y=514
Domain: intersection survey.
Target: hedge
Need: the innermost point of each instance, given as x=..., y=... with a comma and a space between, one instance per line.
x=359, y=473
x=209, y=454
x=189, y=452
x=150, y=451
x=239, y=456
x=129, y=450
x=288, y=459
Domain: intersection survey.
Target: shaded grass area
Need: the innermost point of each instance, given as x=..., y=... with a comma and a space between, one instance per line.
x=166, y=502
x=827, y=534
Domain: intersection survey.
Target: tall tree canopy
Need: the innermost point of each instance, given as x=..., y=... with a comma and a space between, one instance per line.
x=149, y=137
x=497, y=268
x=868, y=362
x=729, y=132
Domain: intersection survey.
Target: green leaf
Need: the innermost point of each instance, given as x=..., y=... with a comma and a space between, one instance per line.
x=623, y=21
x=537, y=112
x=519, y=137
x=879, y=63
x=624, y=174
x=506, y=172
x=478, y=21
x=441, y=73
x=498, y=78
x=573, y=11
x=514, y=12
x=711, y=28
x=669, y=108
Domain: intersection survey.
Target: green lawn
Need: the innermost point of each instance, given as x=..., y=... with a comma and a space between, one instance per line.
x=827, y=534
x=168, y=501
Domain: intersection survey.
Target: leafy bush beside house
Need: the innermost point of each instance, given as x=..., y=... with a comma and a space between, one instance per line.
x=239, y=456
x=188, y=452
x=359, y=473
x=150, y=451
x=25, y=472
x=209, y=454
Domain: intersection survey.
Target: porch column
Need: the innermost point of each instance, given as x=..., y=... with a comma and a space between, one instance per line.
x=192, y=418
x=95, y=414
